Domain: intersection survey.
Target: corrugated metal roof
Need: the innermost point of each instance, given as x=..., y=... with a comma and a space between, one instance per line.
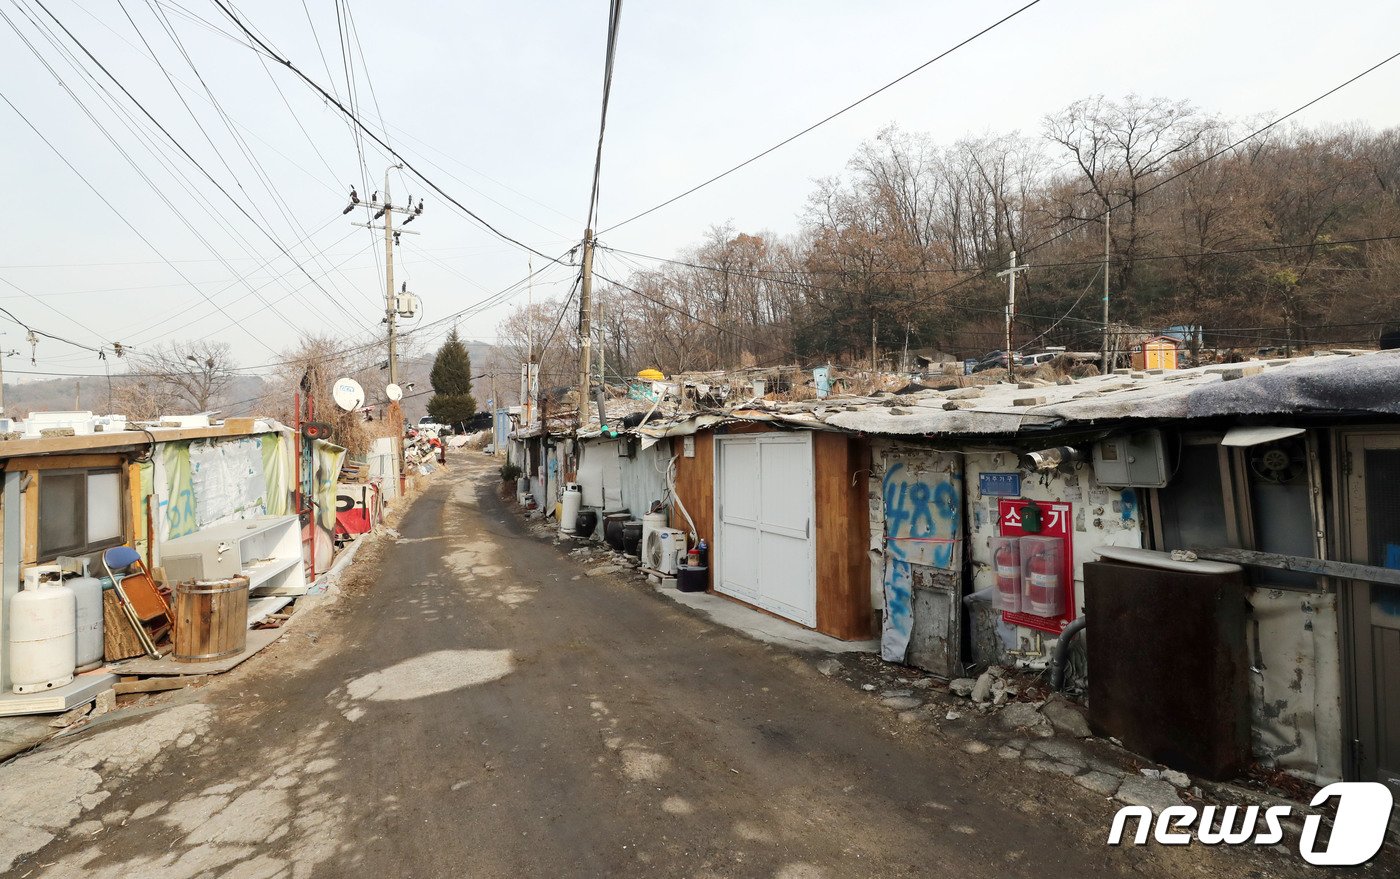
x=1323, y=384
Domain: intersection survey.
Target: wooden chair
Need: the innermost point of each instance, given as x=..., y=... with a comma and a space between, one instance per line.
x=145, y=607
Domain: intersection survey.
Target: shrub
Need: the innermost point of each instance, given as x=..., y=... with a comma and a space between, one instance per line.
x=510, y=472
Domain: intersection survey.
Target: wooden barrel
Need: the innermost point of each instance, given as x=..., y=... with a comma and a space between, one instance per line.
x=211, y=619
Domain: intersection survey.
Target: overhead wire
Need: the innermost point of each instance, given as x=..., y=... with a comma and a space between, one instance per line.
x=819, y=123
x=153, y=146
x=360, y=124
x=195, y=162
x=614, y=22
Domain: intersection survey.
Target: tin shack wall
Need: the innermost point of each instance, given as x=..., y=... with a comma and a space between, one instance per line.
x=1101, y=517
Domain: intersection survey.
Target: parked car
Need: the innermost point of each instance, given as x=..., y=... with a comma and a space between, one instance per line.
x=994, y=360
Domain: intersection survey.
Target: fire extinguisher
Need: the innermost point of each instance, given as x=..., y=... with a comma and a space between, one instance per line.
x=1043, y=595
x=1008, y=570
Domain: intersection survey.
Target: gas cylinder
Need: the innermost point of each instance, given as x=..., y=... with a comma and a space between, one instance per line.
x=1007, y=561
x=568, y=512
x=1044, y=595
x=87, y=592
x=43, y=632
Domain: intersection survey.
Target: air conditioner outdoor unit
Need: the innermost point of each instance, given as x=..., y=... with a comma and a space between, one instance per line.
x=663, y=549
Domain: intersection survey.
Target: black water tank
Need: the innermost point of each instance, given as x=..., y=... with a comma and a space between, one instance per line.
x=1168, y=668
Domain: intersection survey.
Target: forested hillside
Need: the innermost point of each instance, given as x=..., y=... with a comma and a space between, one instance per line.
x=1285, y=239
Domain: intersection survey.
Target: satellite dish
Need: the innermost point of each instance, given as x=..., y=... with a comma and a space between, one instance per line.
x=393, y=392
x=348, y=394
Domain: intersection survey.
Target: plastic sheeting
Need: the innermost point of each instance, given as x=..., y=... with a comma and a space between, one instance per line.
x=227, y=480
x=600, y=475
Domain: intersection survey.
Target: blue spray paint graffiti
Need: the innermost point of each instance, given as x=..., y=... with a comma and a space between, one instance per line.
x=1127, y=503
x=899, y=610
x=921, y=516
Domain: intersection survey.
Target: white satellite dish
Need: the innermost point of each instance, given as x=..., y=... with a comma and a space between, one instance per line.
x=348, y=394
x=393, y=392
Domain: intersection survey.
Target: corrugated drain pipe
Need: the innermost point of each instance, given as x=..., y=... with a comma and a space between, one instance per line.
x=1057, y=665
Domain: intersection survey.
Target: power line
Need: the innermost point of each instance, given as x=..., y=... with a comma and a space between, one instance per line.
x=764, y=274
x=355, y=118
x=851, y=106
x=200, y=167
x=1183, y=172
x=614, y=19
x=114, y=210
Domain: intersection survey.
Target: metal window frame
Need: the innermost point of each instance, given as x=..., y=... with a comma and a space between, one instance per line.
x=1353, y=613
x=1244, y=507
x=87, y=547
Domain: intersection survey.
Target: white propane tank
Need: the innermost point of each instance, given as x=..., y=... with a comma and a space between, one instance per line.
x=43, y=633
x=87, y=592
x=573, y=500
x=522, y=489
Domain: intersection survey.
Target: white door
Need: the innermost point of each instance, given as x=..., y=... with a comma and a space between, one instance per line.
x=765, y=511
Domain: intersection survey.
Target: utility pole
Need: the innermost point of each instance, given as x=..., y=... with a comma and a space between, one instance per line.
x=527, y=382
x=585, y=327
x=1010, y=275
x=1107, y=215
x=386, y=210
x=874, y=344
x=602, y=375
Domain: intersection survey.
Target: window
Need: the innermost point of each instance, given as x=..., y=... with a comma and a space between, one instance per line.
x=79, y=511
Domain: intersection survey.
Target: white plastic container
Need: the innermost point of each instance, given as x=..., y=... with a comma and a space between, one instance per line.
x=87, y=592
x=43, y=633
x=572, y=502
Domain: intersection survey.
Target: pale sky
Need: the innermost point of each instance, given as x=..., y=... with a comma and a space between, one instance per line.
x=498, y=104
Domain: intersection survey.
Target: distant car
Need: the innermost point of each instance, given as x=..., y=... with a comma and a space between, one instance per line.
x=994, y=360
x=1033, y=360
x=490, y=449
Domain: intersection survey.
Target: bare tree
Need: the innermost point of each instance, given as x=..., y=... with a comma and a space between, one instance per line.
x=192, y=375
x=1121, y=148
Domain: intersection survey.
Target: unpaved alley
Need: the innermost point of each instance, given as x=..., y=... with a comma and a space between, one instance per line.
x=471, y=706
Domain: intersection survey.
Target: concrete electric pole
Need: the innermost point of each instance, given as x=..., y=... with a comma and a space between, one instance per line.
x=393, y=307
x=1103, y=363
x=585, y=327
x=1010, y=275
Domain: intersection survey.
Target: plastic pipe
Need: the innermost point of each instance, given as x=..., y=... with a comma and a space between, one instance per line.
x=1057, y=666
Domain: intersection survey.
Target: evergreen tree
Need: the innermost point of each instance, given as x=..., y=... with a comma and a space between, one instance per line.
x=452, y=402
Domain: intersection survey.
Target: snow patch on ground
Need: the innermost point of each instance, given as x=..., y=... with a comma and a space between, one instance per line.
x=432, y=673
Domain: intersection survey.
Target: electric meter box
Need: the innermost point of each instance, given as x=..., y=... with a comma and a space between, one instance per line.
x=1132, y=460
x=1006, y=566
x=1042, y=576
